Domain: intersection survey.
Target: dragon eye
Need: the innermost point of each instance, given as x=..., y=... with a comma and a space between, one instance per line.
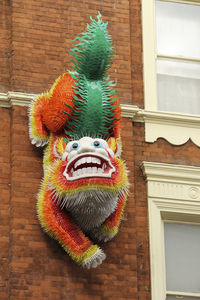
x=75, y=146
x=97, y=144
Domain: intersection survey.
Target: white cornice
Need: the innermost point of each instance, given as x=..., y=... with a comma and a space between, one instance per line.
x=4, y=100
x=16, y=98
x=172, y=173
x=176, y=128
x=129, y=111
x=23, y=99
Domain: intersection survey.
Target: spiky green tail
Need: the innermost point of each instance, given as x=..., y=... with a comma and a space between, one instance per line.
x=92, y=55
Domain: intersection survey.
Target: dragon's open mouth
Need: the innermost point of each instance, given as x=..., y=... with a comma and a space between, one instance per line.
x=89, y=165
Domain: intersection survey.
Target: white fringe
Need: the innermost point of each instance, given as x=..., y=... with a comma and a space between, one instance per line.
x=95, y=260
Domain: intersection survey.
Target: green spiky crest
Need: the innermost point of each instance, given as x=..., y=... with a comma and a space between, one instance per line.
x=92, y=55
x=92, y=114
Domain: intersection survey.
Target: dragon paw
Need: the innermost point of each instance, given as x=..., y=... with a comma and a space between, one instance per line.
x=95, y=260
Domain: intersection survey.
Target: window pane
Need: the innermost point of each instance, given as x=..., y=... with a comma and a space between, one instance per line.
x=178, y=29
x=182, y=255
x=178, y=86
x=181, y=298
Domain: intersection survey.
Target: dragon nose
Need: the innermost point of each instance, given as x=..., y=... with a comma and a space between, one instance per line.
x=85, y=148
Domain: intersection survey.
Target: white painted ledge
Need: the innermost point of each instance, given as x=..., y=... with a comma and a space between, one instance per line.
x=23, y=99
x=176, y=128
x=15, y=98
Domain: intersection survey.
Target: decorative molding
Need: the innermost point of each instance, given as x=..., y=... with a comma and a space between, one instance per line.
x=16, y=98
x=23, y=99
x=176, y=128
x=129, y=111
x=173, y=193
x=4, y=100
x=171, y=173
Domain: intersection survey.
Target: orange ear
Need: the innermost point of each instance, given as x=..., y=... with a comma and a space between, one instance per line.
x=60, y=94
x=46, y=112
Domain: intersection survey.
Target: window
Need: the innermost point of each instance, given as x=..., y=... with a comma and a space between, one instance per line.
x=171, y=60
x=178, y=57
x=182, y=258
x=173, y=193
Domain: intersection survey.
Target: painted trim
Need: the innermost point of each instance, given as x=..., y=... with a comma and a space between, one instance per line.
x=16, y=98
x=182, y=58
x=149, y=54
x=191, y=2
x=173, y=193
x=4, y=100
x=23, y=99
x=197, y=295
x=129, y=111
x=176, y=128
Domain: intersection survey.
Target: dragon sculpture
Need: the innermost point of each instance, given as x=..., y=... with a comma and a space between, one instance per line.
x=85, y=184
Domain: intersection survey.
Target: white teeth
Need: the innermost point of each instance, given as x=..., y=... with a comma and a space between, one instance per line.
x=78, y=172
x=84, y=170
x=89, y=160
x=89, y=170
x=95, y=160
x=83, y=160
x=80, y=162
x=94, y=170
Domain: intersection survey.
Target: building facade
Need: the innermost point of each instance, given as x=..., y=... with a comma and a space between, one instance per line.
x=160, y=138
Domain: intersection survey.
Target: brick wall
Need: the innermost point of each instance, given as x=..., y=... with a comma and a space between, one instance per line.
x=36, y=37
x=4, y=201
x=5, y=45
x=42, y=33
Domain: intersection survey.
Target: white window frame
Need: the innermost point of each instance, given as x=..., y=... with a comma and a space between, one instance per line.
x=173, y=193
x=168, y=125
